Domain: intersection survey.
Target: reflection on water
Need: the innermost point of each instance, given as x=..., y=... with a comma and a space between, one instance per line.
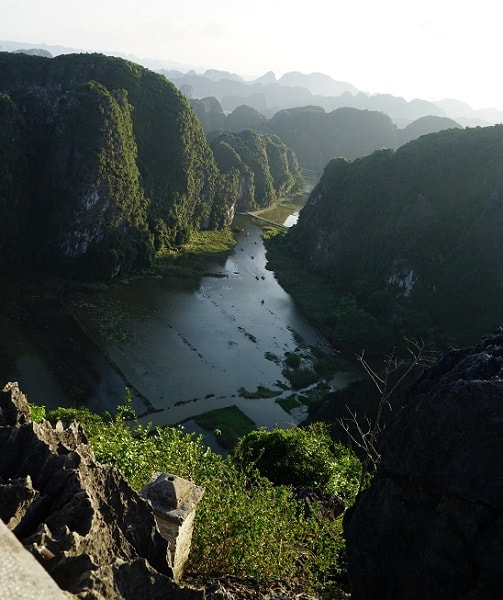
x=182, y=350
x=292, y=219
x=189, y=352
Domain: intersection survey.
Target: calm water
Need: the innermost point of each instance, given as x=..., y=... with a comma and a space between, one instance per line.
x=183, y=351
x=191, y=351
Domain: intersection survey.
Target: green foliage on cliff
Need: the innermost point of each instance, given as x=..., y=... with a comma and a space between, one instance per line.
x=408, y=242
x=114, y=144
x=266, y=168
x=245, y=524
x=89, y=165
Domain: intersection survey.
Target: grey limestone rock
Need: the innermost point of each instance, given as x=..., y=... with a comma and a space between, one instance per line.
x=431, y=524
x=90, y=530
x=174, y=501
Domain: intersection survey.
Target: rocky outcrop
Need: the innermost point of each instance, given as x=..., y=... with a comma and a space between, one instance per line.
x=431, y=523
x=105, y=162
x=264, y=167
x=404, y=238
x=94, y=535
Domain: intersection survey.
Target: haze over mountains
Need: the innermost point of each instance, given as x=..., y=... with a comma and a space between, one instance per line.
x=269, y=94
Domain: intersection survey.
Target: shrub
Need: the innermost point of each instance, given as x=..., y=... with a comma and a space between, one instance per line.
x=301, y=457
x=245, y=525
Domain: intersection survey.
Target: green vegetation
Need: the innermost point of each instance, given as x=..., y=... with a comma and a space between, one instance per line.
x=272, y=357
x=261, y=168
x=245, y=525
x=109, y=165
x=317, y=137
x=402, y=244
x=280, y=211
x=229, y=424
x=190, y=261
x=300, y=377
x=301, y=457
x=290, y=403
x=261, y=392
x=13, y=187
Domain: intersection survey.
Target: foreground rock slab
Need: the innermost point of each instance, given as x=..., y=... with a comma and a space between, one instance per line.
x=431, y=524
x=94, y=535
x=21, y=577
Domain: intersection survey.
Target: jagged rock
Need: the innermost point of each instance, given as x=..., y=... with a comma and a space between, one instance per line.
x=94, y=535
x=14, y=408
x=431, y=524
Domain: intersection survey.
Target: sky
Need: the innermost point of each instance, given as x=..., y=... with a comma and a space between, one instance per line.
x=429, y=49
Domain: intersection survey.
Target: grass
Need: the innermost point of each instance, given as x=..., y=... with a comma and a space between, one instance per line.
x=288, y=404
x=261, y=392
x=281, y=210
x=228, y=423
x=192, y=259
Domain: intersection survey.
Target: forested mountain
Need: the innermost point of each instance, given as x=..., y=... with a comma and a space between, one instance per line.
x=423, y=126
x=269, y=95
x=260, y=166
x=103, y=161
x=210, y=112
x=13, y=178
x=316, y=136
x=411, y=240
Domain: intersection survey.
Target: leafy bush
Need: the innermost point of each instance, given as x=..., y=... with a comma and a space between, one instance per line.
x=301, y=457
x=245, y=525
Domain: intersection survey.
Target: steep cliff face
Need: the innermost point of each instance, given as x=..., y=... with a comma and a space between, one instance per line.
x=265, y=167
x=96, y=208
x=412, y=238
x=115, y=152
x=430, y=525
x=13, y=183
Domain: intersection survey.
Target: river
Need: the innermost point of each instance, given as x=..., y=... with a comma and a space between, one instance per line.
x=186, y=351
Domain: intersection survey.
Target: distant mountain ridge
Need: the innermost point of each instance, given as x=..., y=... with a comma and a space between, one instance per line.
x=317, y=136
x=269, y=94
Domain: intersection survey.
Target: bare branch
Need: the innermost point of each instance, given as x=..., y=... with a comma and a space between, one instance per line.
x=366, y=440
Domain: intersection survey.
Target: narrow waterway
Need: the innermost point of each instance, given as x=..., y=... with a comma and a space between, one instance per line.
x=183, y=350
x=190, y=351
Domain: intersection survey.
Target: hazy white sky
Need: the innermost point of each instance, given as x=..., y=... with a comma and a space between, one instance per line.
x=430, y=49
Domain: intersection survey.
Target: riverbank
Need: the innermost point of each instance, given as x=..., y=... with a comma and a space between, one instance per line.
x=207, y=331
